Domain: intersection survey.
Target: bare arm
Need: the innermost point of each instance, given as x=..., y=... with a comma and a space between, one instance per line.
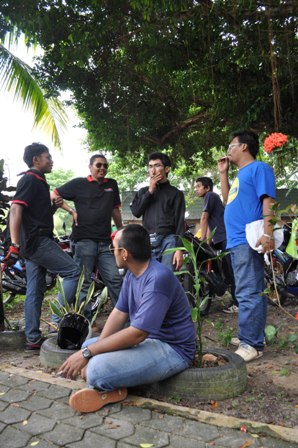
x=117, y=218
x=15, y=220
x=267, y=239
x=62, y=204
x=223, y=168
x=204, y=226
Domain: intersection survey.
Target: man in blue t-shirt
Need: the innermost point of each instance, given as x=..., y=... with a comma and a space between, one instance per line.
x=212, y=220
x=159, y=342
x=250, y=198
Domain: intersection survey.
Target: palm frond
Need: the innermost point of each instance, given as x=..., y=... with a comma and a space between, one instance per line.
x=17, y=76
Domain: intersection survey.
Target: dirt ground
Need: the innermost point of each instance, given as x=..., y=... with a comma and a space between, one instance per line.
x=272, y=391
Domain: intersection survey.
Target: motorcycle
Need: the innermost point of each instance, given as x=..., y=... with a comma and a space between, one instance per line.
x=213, y=282
x=281, y=273
x=14, y=278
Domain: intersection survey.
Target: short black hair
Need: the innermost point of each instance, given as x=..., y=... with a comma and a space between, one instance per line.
x=96, y=156
x=250, y=139
x=33, y=150
x=165, y=159
x=206, y=182
x=135, y=239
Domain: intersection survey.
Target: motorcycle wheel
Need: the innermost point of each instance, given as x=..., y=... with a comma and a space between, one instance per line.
x=206, y=295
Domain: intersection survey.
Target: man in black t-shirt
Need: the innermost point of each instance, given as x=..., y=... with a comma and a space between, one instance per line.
x=97, y=201
x=31, y=232
x=212, y=220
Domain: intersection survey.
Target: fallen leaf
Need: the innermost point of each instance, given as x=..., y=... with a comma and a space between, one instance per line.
x=112, y=425
x=209, y=357
x=246, y=444
x=146, y=445
x=214, y=404
x=34, y=443
x=255, y=436
x=2, y=393
x=25, y=422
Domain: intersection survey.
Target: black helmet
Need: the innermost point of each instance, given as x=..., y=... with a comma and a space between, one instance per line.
x=73, y=331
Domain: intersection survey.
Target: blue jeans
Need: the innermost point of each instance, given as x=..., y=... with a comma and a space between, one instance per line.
x=150, y=361
x=48, y=256
x=165, y=242
x=89, y=254
x=248, y=268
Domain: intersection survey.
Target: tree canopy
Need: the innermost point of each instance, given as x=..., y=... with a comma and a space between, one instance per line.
x=149, y=75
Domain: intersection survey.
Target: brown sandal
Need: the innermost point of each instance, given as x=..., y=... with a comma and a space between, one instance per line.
x=91, y=400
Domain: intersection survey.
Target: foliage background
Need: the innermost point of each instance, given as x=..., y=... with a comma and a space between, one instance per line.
x=176, y=75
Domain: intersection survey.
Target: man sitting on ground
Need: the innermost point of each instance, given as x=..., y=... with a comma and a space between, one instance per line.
x=160, y=341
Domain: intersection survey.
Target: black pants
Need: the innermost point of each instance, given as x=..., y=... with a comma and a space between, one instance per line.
x=227, y=268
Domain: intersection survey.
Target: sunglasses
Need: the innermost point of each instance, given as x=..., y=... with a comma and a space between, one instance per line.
x=101, y=165
x=112, y=248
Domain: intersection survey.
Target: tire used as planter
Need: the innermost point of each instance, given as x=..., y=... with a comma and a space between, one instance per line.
x=210, y=383
x=12, y=340
x=52, y=356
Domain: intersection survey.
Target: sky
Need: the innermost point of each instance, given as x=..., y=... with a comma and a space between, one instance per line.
x=16, y=132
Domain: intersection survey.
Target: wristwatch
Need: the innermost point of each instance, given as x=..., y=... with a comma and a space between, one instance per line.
x=86, y=353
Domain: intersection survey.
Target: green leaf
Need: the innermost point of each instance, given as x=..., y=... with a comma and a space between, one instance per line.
x=173, y=250
x=18, y=77
x=194, y=314
x=78, y=291
x=292, y=337
x=270, y=332
x=61, y=290
x=56, y=310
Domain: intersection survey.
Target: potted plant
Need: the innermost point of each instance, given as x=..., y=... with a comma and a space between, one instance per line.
x=73, y=329
x=217, y=382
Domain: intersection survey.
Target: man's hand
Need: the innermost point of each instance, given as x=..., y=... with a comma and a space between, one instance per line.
x=154, y=179
x=73, y=365
x=223, y=164
x=74, y=215
x=58, y=202
x=12, y=256
x=178, y=259
x=266, y=244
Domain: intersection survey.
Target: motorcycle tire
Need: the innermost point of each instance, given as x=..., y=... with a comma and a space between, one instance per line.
x=188, y=285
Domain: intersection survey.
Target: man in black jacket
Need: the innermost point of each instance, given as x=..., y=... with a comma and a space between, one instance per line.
x=162, y=207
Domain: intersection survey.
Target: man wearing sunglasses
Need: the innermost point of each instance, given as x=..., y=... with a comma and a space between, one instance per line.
x=158, y=343
x=97, y=201
x=162, y=208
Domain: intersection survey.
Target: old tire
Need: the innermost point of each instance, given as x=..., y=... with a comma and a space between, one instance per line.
x=214, y=383
x=12, y=340
x=52, y=356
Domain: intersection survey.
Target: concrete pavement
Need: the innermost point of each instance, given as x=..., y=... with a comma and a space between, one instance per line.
x=34, y=411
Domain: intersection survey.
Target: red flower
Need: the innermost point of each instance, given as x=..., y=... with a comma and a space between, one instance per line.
x=274, y=140
x=296, y=317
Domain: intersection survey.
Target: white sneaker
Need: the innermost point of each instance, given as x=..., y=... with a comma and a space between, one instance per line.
x=232, y=309
x=248, y=353
x=235, y=341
